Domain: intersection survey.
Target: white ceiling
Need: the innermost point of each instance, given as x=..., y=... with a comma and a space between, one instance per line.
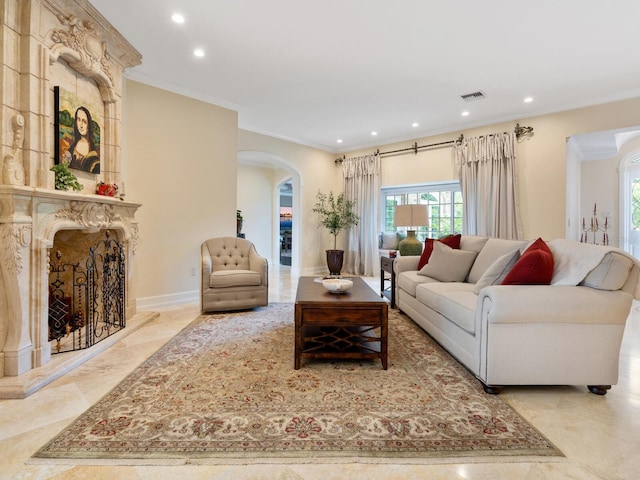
x=314, y=71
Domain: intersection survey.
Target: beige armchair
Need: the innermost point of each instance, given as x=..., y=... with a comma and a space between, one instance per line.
x=234, y=276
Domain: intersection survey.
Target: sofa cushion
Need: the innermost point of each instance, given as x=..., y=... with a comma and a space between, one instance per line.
x=495, y=274
x=447, y=264
x=455, y=301
x=534, y=267
x=473, y=242
x=493, y=249
x=610, y=274
x=234, y=278
x=410, y=279
x=452, y=240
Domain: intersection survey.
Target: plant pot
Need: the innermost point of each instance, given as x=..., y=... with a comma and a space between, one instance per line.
x=238, y=226
x=334, y=261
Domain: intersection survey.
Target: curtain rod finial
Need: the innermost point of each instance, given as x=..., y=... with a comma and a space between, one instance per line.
x=522, y=131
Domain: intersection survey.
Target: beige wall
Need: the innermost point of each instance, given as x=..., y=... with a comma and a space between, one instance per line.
x=180, y=157
x=599, y=186
x=311, y=169
x=541, y=159
x=196, y=186
x=255, y=199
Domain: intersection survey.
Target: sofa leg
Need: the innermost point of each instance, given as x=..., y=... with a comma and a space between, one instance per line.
x=599, y=389
x=491, y=389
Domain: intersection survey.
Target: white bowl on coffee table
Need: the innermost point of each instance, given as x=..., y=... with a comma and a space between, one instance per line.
x=337, y=285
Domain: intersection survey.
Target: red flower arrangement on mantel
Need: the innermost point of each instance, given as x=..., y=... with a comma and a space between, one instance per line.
x=107, y=189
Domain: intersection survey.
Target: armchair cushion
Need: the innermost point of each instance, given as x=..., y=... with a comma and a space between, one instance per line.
x=234, y=278
x=388, y=241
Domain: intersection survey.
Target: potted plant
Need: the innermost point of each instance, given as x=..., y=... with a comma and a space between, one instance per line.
x=64, y=178
x=336, y=214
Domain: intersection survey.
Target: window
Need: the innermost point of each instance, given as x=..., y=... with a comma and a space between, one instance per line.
x=444, y=205
x=635, y=204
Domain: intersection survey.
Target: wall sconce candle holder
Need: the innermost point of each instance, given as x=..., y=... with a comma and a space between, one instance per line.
x=594, y=228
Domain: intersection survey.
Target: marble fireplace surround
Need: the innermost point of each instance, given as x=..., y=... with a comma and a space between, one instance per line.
x=49, y=43
x=29, y=221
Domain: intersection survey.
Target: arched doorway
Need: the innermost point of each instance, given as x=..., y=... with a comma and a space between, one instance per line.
x=282, y=171
x=286, y=221
x=601, y=170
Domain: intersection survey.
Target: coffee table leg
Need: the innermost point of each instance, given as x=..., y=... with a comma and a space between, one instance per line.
x=298, y=337
x=384, y=333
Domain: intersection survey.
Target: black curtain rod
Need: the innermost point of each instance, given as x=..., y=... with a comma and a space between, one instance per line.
x=415, y=148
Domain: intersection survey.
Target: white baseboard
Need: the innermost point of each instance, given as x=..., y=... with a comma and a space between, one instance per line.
x=314, y=271
x=171, y=300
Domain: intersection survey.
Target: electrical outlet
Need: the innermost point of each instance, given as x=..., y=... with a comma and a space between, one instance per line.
x=193, y=271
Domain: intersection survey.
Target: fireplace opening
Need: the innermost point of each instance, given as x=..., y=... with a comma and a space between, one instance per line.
x=87, y=285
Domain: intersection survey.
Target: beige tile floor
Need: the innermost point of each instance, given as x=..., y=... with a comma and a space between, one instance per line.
x=600, y=436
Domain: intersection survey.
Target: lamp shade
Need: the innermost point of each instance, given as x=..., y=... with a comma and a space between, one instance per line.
x=410, y=216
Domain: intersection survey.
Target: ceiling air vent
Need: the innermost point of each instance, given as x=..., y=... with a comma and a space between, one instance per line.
x=471, y=97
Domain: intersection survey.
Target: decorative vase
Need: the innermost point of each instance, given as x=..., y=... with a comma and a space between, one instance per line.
x=410, y=245
x=334, y=261
x=238, y=226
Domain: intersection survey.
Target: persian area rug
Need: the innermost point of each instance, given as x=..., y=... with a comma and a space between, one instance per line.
x=224, y=391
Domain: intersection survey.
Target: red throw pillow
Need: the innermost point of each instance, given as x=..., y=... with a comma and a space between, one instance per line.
x=535, y=266
x=452, y=241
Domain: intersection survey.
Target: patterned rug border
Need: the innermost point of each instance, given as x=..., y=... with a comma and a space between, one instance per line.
x=550, y=454
x=197, y=461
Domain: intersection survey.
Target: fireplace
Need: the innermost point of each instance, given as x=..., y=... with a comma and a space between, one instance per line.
x=87, y=284
x=29, y=251
x=55, y=45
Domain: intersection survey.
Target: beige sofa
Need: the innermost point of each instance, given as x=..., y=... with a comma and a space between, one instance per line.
x=565, y=333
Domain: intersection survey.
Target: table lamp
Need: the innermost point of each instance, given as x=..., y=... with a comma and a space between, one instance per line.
x=410, y=216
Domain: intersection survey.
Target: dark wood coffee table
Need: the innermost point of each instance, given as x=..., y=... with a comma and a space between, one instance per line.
x=340, y=325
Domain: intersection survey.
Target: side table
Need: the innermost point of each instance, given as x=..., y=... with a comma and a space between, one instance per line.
x=386, y=265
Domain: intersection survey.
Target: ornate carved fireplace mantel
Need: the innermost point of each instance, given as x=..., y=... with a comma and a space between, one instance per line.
x=29, y=220
x=47, y=44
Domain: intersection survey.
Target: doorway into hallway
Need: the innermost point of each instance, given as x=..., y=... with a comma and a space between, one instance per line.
x=286, y=222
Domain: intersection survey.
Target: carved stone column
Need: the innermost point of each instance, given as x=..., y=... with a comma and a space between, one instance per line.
x=15, y=258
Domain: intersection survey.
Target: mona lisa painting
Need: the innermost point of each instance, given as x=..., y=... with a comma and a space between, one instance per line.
x=77, y=132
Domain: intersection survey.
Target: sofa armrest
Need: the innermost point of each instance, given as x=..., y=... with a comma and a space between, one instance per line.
x=403, y=264
x=552, y=304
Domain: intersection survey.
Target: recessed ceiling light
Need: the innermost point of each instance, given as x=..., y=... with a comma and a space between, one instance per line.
x=415, y=124
x=177, y=17
x=528, y=100
x=339, y=140
x=465, y=114
x=374, y=133
x=198, y=52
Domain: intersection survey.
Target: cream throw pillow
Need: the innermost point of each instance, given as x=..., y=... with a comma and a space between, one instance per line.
x=447, y=264
x=497, y=271
x=389, y=241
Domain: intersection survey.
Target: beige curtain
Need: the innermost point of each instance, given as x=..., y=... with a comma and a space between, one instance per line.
x=362, y=186
x=489, y=185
